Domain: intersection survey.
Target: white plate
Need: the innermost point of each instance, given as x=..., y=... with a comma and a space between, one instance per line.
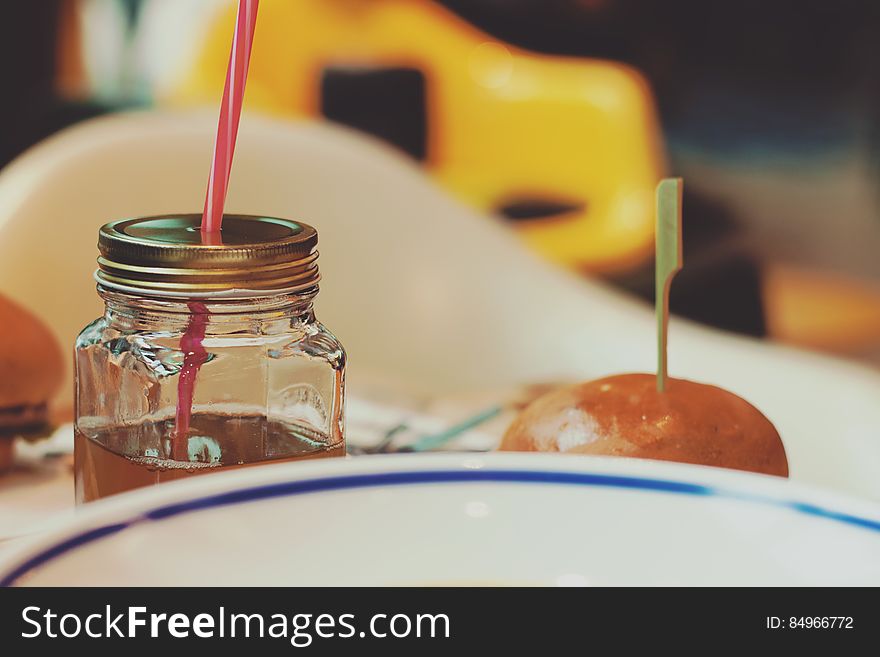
x=463, y=519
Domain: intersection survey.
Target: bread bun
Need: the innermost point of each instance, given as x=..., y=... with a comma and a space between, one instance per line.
x=31, y=372
x=625, y=415
x=31, y=365
x=6, y=453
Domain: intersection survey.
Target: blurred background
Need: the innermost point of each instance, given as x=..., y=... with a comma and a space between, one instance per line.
x=770, y=111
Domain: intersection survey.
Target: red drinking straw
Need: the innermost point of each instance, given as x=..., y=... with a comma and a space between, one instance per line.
x=194, y=357
x=194, y=354
x=230, y=112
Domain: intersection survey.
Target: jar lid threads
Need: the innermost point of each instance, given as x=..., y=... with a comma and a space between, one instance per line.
x=165, y=256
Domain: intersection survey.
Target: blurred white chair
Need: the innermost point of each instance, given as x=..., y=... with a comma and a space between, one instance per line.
x=419, y=288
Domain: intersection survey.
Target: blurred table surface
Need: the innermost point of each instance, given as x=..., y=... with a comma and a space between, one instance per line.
x=38, y=492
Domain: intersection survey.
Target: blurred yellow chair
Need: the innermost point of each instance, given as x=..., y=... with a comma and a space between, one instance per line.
x=504, y=126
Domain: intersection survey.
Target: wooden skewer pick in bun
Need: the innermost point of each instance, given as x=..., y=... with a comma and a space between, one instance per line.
x=653, y=416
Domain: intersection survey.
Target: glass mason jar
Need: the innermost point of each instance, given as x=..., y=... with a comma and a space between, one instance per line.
x=208, y=355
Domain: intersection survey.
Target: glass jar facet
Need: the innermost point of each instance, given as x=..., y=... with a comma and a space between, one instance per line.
x=271, y=388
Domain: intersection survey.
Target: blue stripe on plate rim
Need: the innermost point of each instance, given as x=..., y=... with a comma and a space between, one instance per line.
x=404, y=478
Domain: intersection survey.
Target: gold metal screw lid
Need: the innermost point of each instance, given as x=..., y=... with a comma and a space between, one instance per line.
x=166, y=256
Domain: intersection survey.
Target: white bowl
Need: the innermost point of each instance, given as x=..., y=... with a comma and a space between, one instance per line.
x=463, y=519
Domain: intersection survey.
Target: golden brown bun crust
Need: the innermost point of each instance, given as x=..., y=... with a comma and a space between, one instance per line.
x=624, y=415
x=31, y=365
x=6, y=453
